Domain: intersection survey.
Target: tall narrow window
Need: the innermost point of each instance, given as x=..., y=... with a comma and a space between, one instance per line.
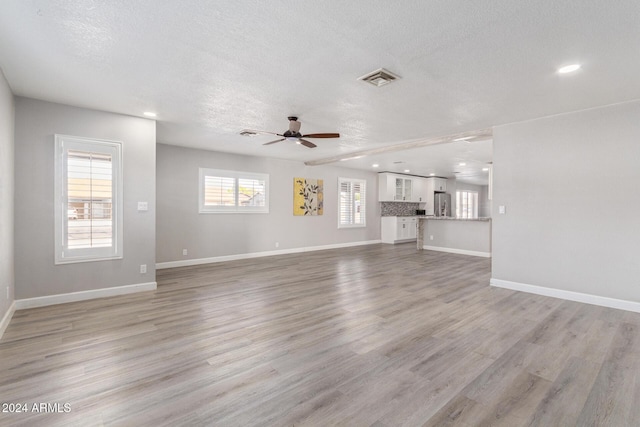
x=88, y=194
x=352, y=203
x=466, y=204
x=233, y=191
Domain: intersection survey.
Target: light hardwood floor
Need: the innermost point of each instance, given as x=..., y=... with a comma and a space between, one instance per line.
x=375, y=335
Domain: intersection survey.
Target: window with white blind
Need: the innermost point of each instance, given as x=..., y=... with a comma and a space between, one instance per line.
x=351, y=203
x=233, y=191
x=466, y=204
x=88, y=195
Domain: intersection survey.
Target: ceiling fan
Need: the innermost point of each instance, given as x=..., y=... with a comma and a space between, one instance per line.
x=293, y=134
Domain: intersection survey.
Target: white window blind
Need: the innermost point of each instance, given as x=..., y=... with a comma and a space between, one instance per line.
x=88, y=198
x=233, y=191
x=351, y=203
x=466, y=204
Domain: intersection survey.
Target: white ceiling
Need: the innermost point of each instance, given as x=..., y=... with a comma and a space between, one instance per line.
x=212, y=68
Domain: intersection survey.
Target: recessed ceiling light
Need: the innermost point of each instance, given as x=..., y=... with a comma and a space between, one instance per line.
x=485, y=169
x=407, y=171
x=569, y=68
x=462, y=164
x=375, y=165
x=149, y=114
x=432, y=174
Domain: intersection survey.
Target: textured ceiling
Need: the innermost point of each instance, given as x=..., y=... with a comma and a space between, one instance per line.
x=212, y=68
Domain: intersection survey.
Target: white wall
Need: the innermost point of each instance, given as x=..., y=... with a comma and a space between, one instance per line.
x=570, y=187
x=36, y=122
x=212, y=235
x=7, y=111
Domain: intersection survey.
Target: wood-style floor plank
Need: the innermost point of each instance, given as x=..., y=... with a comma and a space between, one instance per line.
x=376, y=335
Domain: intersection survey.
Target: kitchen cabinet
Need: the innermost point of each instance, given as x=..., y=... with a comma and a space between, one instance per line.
x=439, y=184
x=419, y=190
x=395, y=188
x=396, y=229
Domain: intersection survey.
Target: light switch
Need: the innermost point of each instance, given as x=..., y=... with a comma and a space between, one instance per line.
x=143, y=206
x=502, y=209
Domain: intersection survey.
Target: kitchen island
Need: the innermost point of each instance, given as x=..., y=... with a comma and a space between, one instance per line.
x=455, y=235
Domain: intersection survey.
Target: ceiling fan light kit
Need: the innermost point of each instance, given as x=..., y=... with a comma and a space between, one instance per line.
x=292, y=134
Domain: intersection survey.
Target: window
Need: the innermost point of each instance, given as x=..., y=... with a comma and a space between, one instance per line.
x=352, y=202
x=88, y=195
x=232, y=191
x=466, y=204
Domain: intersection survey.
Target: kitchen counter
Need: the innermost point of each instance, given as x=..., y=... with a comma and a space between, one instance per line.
x=468, y=236
x=450, y=218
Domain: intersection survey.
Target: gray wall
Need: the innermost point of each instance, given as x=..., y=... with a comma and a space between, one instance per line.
x=35, y=126
x=570, y=187
x=7, y=111
x=210, y=235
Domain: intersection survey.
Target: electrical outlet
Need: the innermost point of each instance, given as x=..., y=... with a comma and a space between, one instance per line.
x=143, y=206
x=431, y=237
x=143, y=268
x=184, y=252
x=277, y=244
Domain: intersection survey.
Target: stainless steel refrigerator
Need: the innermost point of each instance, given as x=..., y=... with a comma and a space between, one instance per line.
x=442, y=204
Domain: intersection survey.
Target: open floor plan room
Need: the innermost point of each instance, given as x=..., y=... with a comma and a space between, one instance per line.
x=377, y=335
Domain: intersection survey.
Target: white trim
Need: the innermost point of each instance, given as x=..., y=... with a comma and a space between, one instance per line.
x=568, y=295
x=21, y=304
x=457, y=251
x=7, y=318
x=199, y=261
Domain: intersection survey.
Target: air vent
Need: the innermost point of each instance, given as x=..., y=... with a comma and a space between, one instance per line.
x=398, y=162
x=248, y=133
x=379, y=77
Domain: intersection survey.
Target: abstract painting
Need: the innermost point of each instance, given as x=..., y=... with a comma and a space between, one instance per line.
x=307, y=196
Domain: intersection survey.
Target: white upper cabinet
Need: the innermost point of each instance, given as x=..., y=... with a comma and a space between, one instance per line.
x=439, y=184
x=395, y=188
x=403, y=188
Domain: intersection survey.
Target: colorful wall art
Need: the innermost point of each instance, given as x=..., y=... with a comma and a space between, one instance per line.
x=307, y=196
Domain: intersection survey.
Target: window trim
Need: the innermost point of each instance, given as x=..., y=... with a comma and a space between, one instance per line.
x=61, y=202
x=236, y=175
x=363, y=183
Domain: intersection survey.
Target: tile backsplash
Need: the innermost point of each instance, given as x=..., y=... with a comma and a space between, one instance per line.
x=398, y=208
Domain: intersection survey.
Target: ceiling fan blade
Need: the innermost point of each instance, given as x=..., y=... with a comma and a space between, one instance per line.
x=273, y=142
x=250, y=131
x=307, y=143
x=322, y=135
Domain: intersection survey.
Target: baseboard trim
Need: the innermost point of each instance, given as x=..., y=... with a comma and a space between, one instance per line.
x=199, y=261
x=7, y=318
x=568, y=295
x=22, y=304
x=457, y=251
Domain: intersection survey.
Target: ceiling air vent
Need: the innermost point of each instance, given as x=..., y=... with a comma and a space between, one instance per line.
x=379, y=77
x=248, y=133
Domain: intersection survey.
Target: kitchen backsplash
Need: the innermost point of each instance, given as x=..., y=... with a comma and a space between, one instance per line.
x=398, y=208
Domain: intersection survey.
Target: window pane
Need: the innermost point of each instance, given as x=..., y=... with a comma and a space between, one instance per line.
x=89, y=197
x=219, y=191
x=351, y=203
x=251, y=192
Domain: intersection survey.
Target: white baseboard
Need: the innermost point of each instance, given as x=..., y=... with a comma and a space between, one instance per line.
x=199, y=261
x=21, y=304
x=7, y=318
x=568, y=295
x=457, y=251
